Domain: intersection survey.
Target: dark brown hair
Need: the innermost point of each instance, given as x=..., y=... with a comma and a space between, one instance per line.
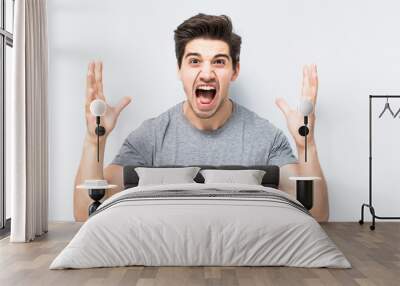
x=208, y=27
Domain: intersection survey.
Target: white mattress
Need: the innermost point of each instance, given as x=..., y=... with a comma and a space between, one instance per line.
x=207, y=230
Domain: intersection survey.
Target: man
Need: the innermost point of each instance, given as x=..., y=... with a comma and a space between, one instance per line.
x=207, y=128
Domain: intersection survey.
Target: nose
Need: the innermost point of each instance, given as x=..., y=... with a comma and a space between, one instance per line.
x=207, y=72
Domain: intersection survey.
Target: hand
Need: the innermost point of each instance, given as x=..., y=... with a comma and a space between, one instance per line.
x=294, y=118
x=94, y=90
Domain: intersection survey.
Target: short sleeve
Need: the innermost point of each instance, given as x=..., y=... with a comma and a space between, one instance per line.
x=137, y=149
x=281, y=153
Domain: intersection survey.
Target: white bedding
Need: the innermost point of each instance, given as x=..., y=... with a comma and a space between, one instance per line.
x=200, y=230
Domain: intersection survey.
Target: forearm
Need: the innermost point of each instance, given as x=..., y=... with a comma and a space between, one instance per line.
x=89, y=168
x=312, y=167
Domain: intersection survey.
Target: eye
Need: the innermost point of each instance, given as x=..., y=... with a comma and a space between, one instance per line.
x=220, y=62
x=194, y=61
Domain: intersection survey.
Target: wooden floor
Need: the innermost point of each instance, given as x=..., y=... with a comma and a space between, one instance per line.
x=374, y=255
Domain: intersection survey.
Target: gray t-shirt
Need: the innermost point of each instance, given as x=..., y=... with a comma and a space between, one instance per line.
x=170, y=139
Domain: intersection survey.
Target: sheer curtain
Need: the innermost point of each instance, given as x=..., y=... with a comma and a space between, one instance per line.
x=27, y=126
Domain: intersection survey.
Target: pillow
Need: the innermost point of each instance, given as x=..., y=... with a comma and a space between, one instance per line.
x=161, y=176
x=249, y=177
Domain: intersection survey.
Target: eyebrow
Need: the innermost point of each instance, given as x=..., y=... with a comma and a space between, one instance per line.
x=216, y=56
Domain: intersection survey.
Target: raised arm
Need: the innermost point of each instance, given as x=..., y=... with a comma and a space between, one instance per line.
x=312, y=167
x=89, y=168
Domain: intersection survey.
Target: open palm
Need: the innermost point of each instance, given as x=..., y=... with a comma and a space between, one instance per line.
x=294, y=118
x=94, y=90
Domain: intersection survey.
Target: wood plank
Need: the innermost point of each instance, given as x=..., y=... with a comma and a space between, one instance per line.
x=374, y=255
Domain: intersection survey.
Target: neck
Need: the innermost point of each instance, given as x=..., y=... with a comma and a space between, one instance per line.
x=212, y=123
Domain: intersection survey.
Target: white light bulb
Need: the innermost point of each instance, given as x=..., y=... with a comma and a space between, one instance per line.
x=98, y=107
x=305, y=107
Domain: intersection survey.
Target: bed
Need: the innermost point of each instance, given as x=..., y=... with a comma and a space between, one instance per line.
x=201, y=224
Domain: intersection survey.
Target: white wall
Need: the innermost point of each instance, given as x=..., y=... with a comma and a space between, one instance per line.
x=354, y=43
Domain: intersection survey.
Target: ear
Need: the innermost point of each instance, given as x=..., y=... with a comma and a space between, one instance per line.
x=236, y=72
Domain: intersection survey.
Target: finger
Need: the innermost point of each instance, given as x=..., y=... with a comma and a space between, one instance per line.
x=90, y=86
x=283, y=106
x=99, y=79
x=91, y=95
x=123, y=103
x=97, y=70
x=310, y=90
x=306, y=82
x=305, y=74
x=90, y=76
x=314, y=84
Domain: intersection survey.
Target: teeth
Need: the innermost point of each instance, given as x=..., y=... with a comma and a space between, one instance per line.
x=206, y=87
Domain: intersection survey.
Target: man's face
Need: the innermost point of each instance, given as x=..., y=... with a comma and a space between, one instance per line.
x=206, y=72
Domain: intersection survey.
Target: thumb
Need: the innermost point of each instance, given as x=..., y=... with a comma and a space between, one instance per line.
x=123, y=103
x=283, y=106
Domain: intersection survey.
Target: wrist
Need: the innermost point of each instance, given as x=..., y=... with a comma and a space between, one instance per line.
x=91, y=140
x=311, y=151
x=310, y=145
x=90, y=150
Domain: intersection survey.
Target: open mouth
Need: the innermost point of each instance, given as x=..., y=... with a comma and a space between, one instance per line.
x=205, y=94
